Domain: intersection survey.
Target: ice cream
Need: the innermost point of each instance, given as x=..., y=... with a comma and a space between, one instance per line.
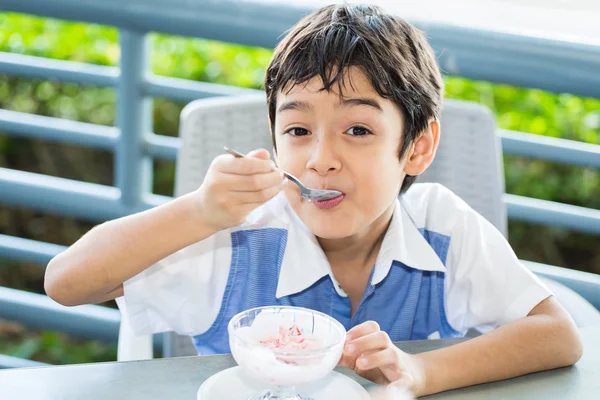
x=291, y=338
x=277, y=350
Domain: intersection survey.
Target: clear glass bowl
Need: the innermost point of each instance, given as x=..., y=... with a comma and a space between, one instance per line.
x=318, y=342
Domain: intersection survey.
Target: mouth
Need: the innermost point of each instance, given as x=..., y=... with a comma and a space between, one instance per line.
x=329, y=203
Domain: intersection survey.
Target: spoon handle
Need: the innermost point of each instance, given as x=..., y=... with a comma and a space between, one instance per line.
x=234, y=153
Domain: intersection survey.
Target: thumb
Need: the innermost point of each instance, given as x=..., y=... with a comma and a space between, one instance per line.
x=346, y=360
x=259, y=153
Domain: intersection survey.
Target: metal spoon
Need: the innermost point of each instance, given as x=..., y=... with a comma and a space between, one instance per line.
x=307, y=193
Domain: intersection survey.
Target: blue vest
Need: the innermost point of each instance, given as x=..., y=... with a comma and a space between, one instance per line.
x=408, y=303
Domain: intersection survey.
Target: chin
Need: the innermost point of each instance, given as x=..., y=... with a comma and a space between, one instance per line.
x=329, y=228
x=330, y=233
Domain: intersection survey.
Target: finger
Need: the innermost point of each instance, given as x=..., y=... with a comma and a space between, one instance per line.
x=374, y=341
x=387, y=357
x=229, y=164
x=347, y=360
x=260, y=154
x=252, y=183
x=257, y=198
x=361, y=330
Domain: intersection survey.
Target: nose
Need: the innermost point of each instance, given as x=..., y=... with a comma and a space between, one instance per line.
x=324, y=158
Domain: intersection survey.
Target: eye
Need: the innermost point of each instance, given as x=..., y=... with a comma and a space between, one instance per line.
x=358, y=131
x=297, y=132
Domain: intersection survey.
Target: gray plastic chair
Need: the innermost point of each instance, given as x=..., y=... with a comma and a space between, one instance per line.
x=468, y=161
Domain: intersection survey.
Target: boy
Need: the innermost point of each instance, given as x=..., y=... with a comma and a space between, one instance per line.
x=354, y=96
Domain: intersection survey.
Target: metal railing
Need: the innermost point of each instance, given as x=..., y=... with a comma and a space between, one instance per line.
x=514, y=60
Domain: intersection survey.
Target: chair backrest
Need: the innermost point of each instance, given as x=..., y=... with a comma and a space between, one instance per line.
x=207, y=125
x=468, y=160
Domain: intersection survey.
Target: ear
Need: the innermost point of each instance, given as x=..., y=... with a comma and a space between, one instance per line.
x=422, y=151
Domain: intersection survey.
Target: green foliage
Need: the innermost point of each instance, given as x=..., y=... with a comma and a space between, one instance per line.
x=52, y=347
x=556, y=115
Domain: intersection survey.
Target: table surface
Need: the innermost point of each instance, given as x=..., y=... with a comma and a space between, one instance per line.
x=180, y=378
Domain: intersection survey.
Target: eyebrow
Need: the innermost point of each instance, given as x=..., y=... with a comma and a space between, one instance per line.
x=352, y=102
x=295, y=105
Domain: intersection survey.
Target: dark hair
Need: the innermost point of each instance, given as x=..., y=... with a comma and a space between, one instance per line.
x=394, y=55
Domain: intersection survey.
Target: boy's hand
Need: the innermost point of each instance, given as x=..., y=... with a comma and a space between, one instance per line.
x=233, y=187
x=372, y=355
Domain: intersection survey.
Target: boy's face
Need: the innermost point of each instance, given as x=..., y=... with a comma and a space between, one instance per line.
x=348, y=144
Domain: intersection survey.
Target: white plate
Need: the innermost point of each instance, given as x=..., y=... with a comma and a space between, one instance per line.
x=233, y=384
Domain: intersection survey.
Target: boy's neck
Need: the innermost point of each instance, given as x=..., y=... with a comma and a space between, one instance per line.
x=358, y=251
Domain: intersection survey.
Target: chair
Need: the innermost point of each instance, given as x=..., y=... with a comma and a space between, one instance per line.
x=469, y=162
x=473, y=171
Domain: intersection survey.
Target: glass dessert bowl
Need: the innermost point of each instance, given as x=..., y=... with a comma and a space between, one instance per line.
x=285, y=347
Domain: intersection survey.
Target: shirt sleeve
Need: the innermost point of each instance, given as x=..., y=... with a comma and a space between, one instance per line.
x=182, y=292
x=486, y=285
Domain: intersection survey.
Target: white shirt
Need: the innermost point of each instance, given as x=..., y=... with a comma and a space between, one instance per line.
x=485, y=284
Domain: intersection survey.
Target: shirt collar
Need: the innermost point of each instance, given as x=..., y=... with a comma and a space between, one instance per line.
x=304, y=262
x=404, y=243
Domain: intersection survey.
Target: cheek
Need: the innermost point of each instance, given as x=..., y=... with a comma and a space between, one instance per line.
x=379, y=175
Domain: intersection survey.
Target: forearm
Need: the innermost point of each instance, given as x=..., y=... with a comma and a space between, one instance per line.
x=117, y=250
x=535, y=343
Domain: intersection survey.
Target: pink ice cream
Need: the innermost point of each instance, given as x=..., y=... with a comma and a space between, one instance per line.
x=291, y=339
